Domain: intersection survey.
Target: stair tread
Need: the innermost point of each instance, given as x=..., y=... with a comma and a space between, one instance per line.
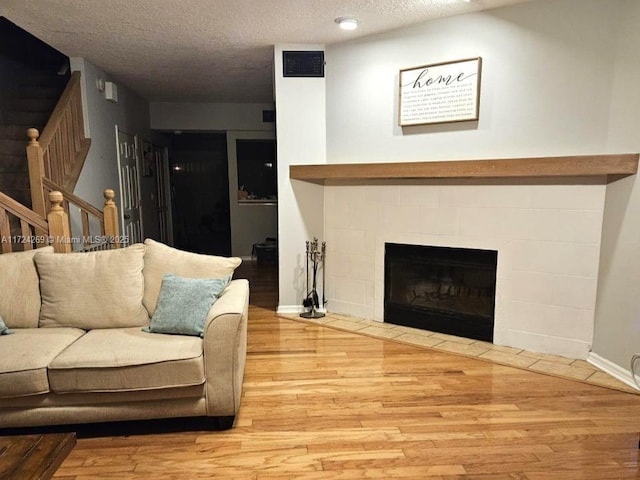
x=13, y=132
x=10, y=162
x=26, y=91
x=8, y=177
x=32, y=105
x=11, y=146
x=14, y=167
x=8, y=159
x=26, y=118
x=44, y=79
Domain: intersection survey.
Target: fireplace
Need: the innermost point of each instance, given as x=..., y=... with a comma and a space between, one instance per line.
x=446, y=290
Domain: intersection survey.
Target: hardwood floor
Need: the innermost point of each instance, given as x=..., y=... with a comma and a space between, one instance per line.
x=321, y=403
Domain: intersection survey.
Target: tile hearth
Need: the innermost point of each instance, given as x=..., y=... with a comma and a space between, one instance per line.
x=536, y=362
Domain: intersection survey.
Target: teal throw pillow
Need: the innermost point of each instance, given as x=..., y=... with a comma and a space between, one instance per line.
x=4, y=330
x=183, y=304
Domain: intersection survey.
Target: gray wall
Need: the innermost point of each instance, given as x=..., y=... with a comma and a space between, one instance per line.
x=131, y=114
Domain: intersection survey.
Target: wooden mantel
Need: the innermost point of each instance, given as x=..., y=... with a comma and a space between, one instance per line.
x=574, y=166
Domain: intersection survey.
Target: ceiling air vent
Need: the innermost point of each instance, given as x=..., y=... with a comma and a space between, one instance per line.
x=303, y=63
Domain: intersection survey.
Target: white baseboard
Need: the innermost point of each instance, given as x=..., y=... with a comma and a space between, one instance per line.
x=616, y=371
x=289, y=309
x=246, y=258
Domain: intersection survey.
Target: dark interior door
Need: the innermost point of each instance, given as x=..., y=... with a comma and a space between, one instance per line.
x=200, y=192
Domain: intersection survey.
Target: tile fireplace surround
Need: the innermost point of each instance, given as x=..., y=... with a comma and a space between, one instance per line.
x=546, y=230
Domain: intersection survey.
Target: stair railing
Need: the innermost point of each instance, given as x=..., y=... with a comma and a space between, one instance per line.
x=98, y=230
x=59, y=153
x=12, y=211
x=56, y=227
x=55, y=161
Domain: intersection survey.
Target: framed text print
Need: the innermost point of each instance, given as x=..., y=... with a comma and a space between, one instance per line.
x=440, y=93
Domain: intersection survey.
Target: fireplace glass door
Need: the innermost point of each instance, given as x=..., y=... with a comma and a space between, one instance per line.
x=446, y=290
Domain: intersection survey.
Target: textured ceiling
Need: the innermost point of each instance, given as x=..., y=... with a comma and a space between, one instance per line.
x=209, y=50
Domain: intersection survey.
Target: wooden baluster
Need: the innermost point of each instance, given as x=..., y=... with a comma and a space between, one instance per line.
x=5, y=231
x=86, y=228
x=66, y=137
x=25, y=230
x=59, y=227
x=111, y=224
x=62, y=143
x=35, y=159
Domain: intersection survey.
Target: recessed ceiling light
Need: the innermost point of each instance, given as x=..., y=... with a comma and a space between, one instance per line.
x=347, y=23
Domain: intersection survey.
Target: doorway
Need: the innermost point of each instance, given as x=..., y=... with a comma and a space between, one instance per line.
x=130, y=201
x=253, y=184
x=200, y=192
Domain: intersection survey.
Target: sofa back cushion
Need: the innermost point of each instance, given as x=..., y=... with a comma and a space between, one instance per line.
x=160, y=259
x=92, y=290
x=19, y=289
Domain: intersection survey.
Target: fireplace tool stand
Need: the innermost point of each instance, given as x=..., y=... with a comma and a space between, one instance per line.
x=315, y=254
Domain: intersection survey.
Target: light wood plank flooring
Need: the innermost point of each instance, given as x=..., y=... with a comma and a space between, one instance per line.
x=538, y=362
x=322, y=403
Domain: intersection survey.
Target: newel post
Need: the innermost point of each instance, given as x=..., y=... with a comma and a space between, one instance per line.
x=59, y=227
x=111, y=224
x=35, y=160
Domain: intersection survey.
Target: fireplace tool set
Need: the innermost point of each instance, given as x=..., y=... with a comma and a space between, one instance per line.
x=315, y=254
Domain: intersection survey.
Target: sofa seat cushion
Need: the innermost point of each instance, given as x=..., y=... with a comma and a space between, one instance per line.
x=124, y=359
x=25, y=356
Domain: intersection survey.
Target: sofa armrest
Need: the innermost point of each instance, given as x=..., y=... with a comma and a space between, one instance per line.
x=225, y=349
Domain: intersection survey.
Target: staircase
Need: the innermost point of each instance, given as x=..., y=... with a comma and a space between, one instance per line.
x=32, y=78
x=42, y=151
x=29, y=171
x=30, y=105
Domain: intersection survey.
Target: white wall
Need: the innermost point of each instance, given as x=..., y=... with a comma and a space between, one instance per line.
x=239, y=120
x=130, y=113
x=559, y=78
x=301, y=127
x=250, y=223
x=546, y=84
x=617, y=329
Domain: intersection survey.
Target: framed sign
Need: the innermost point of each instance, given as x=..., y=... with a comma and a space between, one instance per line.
x=440, y=93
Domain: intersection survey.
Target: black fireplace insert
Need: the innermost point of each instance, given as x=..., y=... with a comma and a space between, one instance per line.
x=441, y=289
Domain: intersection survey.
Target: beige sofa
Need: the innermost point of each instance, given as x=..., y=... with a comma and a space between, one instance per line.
x=78, y=353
